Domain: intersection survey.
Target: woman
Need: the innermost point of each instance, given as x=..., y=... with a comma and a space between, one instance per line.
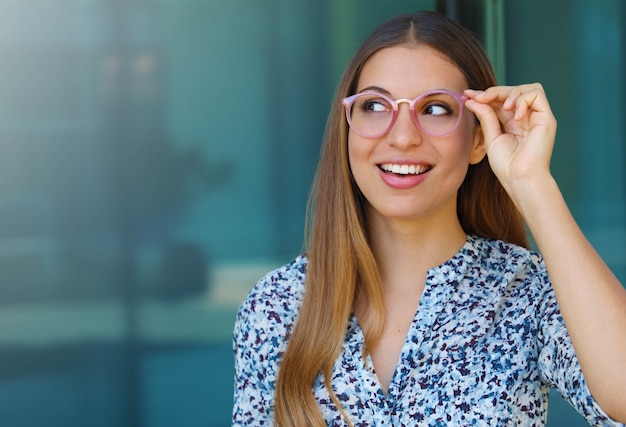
x=416, y=302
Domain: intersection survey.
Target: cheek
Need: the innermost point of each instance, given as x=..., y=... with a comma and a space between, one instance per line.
x=357, y=152
x=456, y=157
x=358, y=160
x=466, y=141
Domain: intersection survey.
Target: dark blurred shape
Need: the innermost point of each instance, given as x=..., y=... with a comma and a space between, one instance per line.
x=184, y=272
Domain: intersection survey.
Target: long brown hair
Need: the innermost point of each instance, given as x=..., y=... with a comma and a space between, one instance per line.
x=341, y=267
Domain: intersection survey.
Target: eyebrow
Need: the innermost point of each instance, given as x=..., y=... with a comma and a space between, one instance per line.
x=375, y=89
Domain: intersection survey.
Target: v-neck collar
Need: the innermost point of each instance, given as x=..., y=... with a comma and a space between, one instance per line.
x=441, y=281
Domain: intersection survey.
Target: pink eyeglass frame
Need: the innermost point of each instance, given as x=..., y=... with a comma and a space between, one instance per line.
x=461, y=98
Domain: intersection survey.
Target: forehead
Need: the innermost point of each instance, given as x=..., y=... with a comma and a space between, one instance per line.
x=407, y=71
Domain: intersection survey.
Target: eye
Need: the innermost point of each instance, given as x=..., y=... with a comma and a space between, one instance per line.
x=374, y=105
x=437, y=109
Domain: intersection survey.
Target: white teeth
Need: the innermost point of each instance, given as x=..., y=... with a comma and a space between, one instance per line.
x=404, y=169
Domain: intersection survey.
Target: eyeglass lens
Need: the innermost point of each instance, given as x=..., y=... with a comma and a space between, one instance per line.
x=372, y=115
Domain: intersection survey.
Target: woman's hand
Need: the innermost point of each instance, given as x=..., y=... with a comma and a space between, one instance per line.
x=519, y=130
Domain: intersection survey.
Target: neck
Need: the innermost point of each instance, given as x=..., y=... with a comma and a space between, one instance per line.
x=409, y=248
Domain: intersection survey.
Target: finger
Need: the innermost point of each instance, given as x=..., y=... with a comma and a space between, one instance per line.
x=534, y=100
x=489, y=121
x=511, y=99
x=515, y=99
x=502, y=93
x=493, y=94
x=494, y=97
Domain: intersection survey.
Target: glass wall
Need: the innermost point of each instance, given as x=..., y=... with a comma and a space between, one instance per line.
x=577, y=50
x=156, y=160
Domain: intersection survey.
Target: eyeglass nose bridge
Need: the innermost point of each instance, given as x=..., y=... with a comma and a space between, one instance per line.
x=411, y=104
x=403, y=100
x=397, y=103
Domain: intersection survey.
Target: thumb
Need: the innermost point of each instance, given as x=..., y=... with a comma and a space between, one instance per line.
x=488, y=119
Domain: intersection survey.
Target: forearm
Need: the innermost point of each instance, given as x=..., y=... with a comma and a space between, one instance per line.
x=591, y=299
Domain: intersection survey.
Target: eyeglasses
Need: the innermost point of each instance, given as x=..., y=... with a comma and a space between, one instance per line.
x=436, y=113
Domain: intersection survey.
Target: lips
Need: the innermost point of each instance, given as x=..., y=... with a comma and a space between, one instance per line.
x=403, y=176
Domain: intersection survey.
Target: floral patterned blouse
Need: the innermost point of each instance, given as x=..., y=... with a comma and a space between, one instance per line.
x=485, y=345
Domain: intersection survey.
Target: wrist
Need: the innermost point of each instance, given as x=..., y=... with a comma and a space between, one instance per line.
x=534, y=194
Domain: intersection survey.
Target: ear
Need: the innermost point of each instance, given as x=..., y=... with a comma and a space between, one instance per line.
x=478, y=147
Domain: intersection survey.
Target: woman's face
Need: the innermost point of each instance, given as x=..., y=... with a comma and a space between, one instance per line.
x=436, y=165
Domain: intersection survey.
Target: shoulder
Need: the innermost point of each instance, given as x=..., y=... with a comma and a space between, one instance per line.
x=270, y=309
x=277, y=290
x=498, y=255
x=508, y=266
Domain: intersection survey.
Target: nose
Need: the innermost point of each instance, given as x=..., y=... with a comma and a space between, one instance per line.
x=404, y=133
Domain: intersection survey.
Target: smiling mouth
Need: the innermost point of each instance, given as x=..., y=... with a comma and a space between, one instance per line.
x=404, y=169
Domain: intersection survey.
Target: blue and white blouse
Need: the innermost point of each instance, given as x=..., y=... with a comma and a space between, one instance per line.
x=485, y=345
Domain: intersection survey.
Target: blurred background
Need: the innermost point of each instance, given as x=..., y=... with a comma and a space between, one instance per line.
x=155, y=160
